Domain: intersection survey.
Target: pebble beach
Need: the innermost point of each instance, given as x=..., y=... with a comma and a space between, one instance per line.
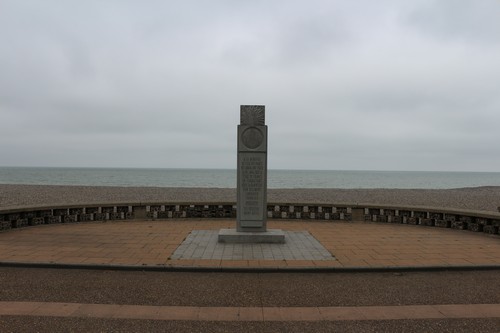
x=486, y=198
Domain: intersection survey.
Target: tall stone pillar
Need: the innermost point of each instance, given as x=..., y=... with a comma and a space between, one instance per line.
x=251, y=224
x=252, y=169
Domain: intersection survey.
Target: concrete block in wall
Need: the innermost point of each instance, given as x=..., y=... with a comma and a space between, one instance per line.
x=76, y=211
x=140, y=212
x=100, y=216
x=44, y=213
x=437, y=216
x=474, y=227
x=466, y=219
x=427, y=222
x=458, y=225
x=412, y=220
x=12, y=217
x=53, y=219
x=107, y=209
x=28, y=215
x=450, y=217
x=36, y=221
x=85, y=217
x=490, y=229
x=358, y=214
x=61, y=212
x=419, y=214
x=5, y=225
x=481, y=221
x=70, y=218
x=442, y=224
x=396, y=219
x=20, y=223
x=274, y=214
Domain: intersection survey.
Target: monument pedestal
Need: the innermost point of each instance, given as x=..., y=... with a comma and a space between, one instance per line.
x=276, y=236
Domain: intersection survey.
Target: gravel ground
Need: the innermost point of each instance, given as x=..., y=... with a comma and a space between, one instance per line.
x=478, y=198
x=50, y=325
x=247, y=289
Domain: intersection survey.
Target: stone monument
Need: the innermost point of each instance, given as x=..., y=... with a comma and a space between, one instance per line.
x=251, y=224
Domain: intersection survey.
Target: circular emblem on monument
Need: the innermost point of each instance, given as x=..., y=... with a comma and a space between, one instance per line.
x=252, y=138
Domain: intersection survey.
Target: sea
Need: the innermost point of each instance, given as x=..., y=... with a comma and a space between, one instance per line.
x=226, y=178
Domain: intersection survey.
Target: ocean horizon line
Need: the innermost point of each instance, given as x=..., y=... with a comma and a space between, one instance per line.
x=234, y=169
x=226, y=178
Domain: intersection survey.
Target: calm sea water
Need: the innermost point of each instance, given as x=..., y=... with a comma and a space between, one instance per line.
x=227, y=178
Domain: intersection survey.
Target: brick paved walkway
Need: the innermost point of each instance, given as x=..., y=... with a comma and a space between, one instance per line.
x=192, y=313
x=152, y=243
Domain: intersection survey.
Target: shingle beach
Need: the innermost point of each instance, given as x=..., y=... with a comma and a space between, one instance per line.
x=477, y=198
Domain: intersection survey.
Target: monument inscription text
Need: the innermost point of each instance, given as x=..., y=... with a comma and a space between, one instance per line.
x=252, y=166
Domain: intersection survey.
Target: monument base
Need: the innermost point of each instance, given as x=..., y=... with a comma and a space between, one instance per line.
x=276, y=236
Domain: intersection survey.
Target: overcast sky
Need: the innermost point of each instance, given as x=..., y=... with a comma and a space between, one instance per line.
x=347, y=85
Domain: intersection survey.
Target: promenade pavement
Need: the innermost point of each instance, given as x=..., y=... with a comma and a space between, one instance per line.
x=180, y=244
x=154, y=243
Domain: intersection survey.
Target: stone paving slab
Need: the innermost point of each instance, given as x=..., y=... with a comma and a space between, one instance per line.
x=299, y=245
x=152, y=243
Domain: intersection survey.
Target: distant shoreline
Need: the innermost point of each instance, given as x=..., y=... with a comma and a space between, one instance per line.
x=226, y=178
x=485, y=198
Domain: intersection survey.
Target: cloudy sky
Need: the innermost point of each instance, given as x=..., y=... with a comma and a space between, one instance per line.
x=347, y=85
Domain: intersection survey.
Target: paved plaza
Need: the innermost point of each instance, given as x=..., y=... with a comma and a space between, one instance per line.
x=299, y=245
x=191, y=243
x=315, y=300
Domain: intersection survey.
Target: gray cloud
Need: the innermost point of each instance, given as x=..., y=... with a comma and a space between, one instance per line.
x=347, y=85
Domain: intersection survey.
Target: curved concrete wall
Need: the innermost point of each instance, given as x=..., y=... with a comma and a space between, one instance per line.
x=477, y=221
